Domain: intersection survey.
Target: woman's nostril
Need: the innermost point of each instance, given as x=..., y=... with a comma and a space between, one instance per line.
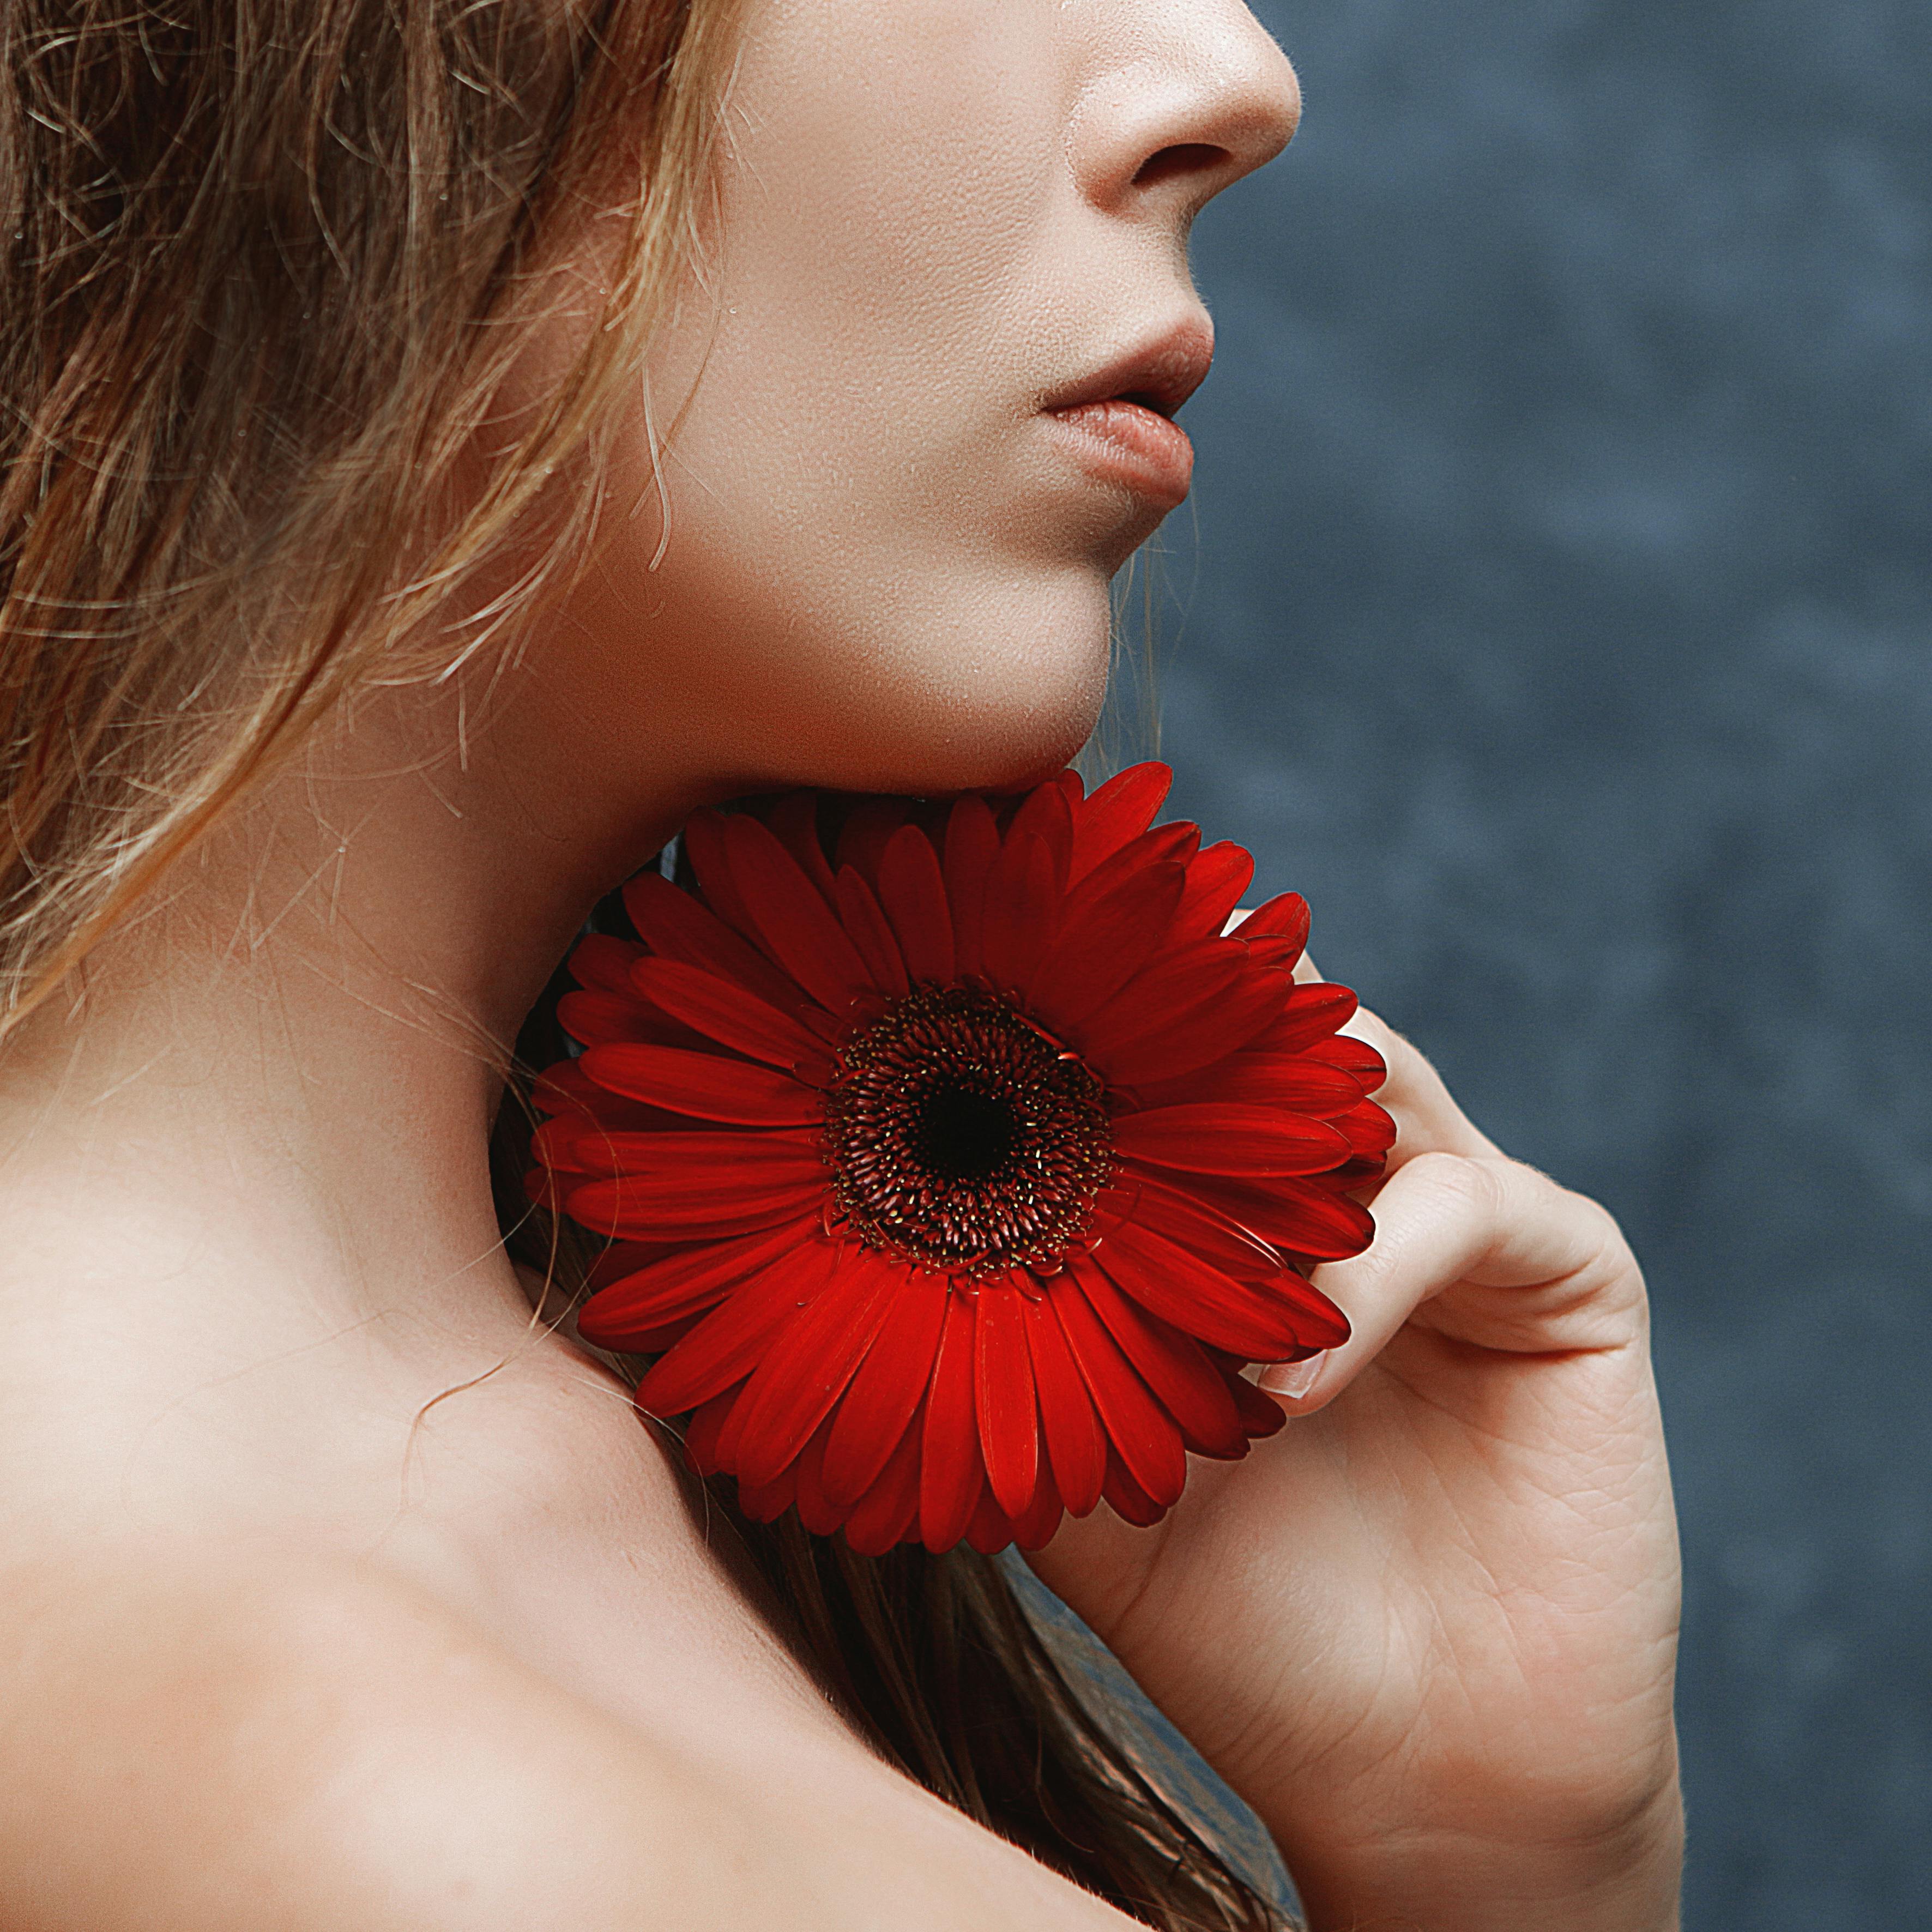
x=1184, y=157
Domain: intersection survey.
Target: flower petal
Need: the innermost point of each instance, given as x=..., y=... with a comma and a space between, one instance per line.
x=1076, y=1446
x=704, y=837
x=1369, y=1129
x=766, y=1502
x=1046, y=814
x=666, y=1335
x=1200, y=1227
x=592, y=1017
x=571, y=1094
x=1314, y=1010
x=601, y=963
x=1141, y=1433
x=867, y=831
x=811, y=1363
x=1165, y=845
x=1007, y=1410
x=913, y=890
x=1357, y=1056
x=794, y=925
x=620, y=1260
x=794, y=821
x=1101, y=947
x=1261, y=1325
x=871, y=932
x=722, y=1163
x=1216, y=881
x=1020, y=895
x=1033, y=1528
x=886, y=1514
x=707, y=1085
x=1295, y=1083
x=1261, y=1416
x=675, y=926
x=952, y=1473
x=1269, y=951
x=1127, y=1499
x=724, y=1450
x=815, y=1509
x=722, y=1010
x=1198, y=1039
x=877, y=1410
x=684, y=1283
x=729, y=1342
x=1121, y=809
x=660, y=1206
x=972, y=844
x=1285, y=917
x=573, y=1142
x=1205, y=1137
x=701, y=1432
x=1301, y=1217
x=1171, y=987
x=1175, y=1367
x=990, y=1529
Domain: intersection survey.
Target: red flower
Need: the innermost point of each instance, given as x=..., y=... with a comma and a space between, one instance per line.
x=955, y=1175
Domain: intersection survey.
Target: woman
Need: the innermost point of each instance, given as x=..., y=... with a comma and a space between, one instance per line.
x=409, y=520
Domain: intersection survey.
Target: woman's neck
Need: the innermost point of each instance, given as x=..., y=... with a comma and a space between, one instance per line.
x=254, y=1144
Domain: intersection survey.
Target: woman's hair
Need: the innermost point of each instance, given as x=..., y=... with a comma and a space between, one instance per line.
x=266, y=264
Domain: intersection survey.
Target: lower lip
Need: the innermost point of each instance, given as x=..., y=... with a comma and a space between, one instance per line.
x=1123, y=443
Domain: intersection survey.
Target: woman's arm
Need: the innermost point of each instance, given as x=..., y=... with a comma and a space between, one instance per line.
x=1428, y=1630
x=192, y=1743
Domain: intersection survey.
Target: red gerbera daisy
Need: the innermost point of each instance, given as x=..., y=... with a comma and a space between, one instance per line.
x=954, y=1172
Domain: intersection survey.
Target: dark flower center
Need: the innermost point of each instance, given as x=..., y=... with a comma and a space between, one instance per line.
x=965, y=1135
x=960, y=1137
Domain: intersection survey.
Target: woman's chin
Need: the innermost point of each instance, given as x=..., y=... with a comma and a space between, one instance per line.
x=1019, y=722
x=1002, y=747
x=987, y=699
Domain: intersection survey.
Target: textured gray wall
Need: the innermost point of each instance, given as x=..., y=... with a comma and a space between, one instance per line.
x=1560, y=620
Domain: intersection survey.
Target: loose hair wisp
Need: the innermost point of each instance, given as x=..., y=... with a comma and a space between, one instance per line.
x=263, y=266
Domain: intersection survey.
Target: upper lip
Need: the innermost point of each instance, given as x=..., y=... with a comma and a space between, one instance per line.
x=1160, y=374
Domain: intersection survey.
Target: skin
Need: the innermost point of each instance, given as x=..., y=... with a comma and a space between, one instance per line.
x=294, y=1635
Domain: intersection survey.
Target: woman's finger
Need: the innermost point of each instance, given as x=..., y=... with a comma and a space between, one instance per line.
x=1534, y=1268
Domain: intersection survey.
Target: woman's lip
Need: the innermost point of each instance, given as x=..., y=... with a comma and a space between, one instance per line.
x=1126, y=442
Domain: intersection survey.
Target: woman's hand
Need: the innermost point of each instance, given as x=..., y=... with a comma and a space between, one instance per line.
x=1428, y=1630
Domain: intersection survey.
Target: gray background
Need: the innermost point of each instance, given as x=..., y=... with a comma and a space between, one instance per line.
x=1559, y=620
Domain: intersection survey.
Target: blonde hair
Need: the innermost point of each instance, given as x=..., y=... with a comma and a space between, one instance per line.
x=267, y=262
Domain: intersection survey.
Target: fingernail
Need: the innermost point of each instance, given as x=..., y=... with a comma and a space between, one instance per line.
x=1292, y=1379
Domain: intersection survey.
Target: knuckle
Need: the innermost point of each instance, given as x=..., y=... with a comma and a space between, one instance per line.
x=1402, y=1056
x=1607, y=1230
x=1412, y=1078
x=1468, y=1183
x=1367, y=1024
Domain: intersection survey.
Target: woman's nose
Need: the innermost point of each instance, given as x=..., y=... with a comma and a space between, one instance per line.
x=1185, y=97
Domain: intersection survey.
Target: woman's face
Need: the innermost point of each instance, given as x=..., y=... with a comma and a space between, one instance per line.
x=920, y=397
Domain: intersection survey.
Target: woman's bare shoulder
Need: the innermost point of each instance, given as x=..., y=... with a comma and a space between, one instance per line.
x=211, y=1740
x=203, y=1739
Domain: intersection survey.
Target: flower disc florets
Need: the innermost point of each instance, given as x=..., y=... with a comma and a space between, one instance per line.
x=961, y=1137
